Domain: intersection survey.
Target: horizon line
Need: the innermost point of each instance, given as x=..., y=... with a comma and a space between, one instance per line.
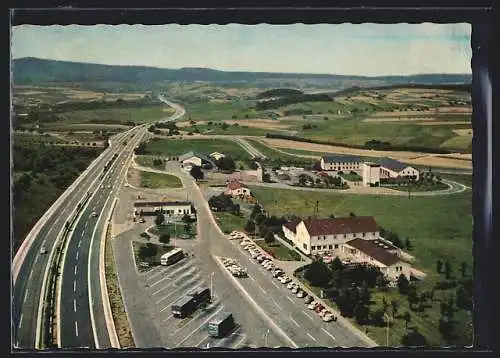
x=245, y=71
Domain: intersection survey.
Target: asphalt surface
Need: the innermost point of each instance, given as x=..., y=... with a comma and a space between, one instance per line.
x=75, y=311
x=28, y=284
x=288, y=312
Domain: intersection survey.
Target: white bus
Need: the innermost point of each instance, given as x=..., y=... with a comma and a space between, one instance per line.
x=172, y=257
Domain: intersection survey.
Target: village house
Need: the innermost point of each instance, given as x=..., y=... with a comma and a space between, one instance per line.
x=378, y=254
x=340, y=162
x=168, y=208
x=391, y=168
x=194, y=158
x=316, y=236
x=235, y=188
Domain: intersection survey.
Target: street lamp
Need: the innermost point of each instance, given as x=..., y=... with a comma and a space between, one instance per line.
x=211, y=283
x=266, y=335
x=387, y=335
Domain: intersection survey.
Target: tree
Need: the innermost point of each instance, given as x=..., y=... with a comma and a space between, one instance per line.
x=186, y=219
x=164, y=238
x=159, y=219
x=197, y=173
x=352, y=214
x=269, y=238
x=463, y=298
x=408, y=244
x=447, y=269
x=394, y=307
x=224, y=126
x=256, y=210
x=235, y=210
x=403, y=284
x=187, y=229
x=317, y=273
x=147, y=251
x=414, y=339
x=331, y=216
x=259, y=218
x=463, y=268
x=407, y=318
x=336, y=264
x=226, y=164
x=412, y=295
x=361, y=313
x=439, y=266
x=249, y=226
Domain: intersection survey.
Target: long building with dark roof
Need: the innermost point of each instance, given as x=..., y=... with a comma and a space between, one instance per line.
x=339, y=162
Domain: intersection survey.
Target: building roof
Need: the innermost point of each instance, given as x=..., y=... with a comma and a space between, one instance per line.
x=191, y=154
x=336, y=226
x=373, y=250
x=323, y=174
x=340, y=158
x=160, y=203
x=234, y=184
x=292, y=225
x=392, y=164
x=371, y=164
x=217, y=154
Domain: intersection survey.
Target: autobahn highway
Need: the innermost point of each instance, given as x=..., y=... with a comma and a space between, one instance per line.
x=29, y=279
x=30, y=268
x=80, y=268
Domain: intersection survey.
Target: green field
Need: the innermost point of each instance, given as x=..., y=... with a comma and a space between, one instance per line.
x=158, y=180
x=214, y=111
x=169, y=147
x=229, y=222
x=459, y=178
x=279, y=251
x=231, y=130
x=174, y=229
x=438, y=227
x=117, y=115
x=147, y=161
x=152, y=260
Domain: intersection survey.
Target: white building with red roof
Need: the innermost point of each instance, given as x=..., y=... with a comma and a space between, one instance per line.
x=235, y=188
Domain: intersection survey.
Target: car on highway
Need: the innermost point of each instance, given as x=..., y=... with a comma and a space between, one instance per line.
x=308, y=299
x=94, y=214
x=43, y=250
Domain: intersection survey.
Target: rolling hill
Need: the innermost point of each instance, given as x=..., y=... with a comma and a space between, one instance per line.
x=35, y=71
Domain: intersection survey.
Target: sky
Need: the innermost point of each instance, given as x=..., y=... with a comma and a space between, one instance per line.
x=346, y=49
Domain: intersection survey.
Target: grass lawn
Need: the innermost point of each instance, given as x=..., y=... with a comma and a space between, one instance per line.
x=147, y=161
x=117, y=115
x=279, y=251
x=459, y=178
x=115, y=298
x=157, y=180
x=351, y=177
x=169, y=147
x=231, y=129
x=229, y=222
x=174, y=229
x=155, y=260
x=274, y=155
x=439, y=227
x=216, y=111
x=460, y=142
x=419, y=188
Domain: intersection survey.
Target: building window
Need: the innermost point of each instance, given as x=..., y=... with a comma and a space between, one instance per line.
x=345, y=236
x=324, y=247
x=324, y=237
x=364, y=235
x=305, y=246
x=336, y=246
x=330, y=247
x=313, y=247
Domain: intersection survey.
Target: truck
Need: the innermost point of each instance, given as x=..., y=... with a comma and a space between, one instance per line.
x=184, y=307
x=201, y=296
x=221, y=325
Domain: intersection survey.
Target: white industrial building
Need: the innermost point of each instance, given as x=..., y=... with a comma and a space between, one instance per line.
x=371, y=174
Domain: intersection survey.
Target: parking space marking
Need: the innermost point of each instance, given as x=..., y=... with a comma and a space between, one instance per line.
x=275, y=285
x=198, y=314
x=252, y=278
x=168, y=274
x=203, y=324
x=298, y=325
x=180, y=288
x=173, y=283
x=307, y=314
x=234, y=333
x=262, y=289
x=324, y=330
x=243, y=338
x=202, y=341
x=277, y=305
x=289, y=299
x=20, y=321
x=312, y=337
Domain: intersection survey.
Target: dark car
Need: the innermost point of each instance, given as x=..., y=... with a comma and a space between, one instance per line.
x=145, y=235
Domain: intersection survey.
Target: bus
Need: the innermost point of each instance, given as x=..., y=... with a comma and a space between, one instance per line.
x=221, y=325
x=172, y=257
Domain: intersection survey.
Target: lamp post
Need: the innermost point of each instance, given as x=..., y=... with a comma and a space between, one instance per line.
x=266, y=335
x=211, y=283
x=387, y=333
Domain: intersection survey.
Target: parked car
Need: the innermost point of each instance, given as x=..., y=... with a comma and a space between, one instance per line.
x=319, y=308
x=145, y=235
x=313, y=305
x=142, y=220
x=308, y=300
x=295, y=289
x=324, y=312
x=43, y=250
x=285, y=279
x=329, y=317
x=301, y=294
x=291, y=285
x=277, y=273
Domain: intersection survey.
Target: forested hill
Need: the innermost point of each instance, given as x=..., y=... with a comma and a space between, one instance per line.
x=31, y=70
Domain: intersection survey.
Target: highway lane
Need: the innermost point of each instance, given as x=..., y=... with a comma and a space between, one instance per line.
x=75, y=319
x=28, y=285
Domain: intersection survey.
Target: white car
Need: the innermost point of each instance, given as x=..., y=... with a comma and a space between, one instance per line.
x=291, y=285
x=285, y=279
x=324, y=312
x=270, y=267
x=94, y=214
x=312, y=305
x=295, y=289
x=328, y=318
x=301, y=294
x=43, y=250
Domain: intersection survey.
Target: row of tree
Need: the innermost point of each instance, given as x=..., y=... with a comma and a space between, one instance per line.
x=224, y=203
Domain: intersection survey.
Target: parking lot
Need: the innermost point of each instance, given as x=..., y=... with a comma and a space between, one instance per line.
x=167, y=284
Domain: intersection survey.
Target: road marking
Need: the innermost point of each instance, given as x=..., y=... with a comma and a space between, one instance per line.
x=75, y=270
x=304, y=312
x=262, y=289
x=83, y=233
x=252, y=278
x=171, y=293
x=74, y=286
x=277, y=305
x=275, y=285
x=74, y=304
x=289, y=299
x=200, y=342
x=166, y=278
x=76, y=328
x=202, y=325
x=79, y=243
x=86, y=222
x=294, y=322
x=77, y=253
x=29, y=277
x=243, y=337
x=20, y=321
x=166, y=319
x=312, y=337
x=324, y=330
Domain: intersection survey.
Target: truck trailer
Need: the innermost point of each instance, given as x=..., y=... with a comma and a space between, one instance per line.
x=201, y=296
x=221, y=325
x=184, y=307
